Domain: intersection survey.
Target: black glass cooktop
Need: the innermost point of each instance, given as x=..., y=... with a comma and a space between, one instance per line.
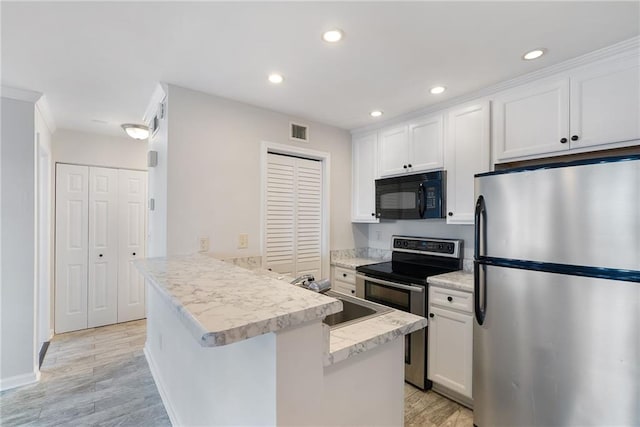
x=396, y=271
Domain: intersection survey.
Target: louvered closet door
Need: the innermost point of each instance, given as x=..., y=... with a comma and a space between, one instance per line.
x=103, y=247
x=280, y=214
x=132, y=192
x=72, y=227
x=308, y=217
x=293, y=215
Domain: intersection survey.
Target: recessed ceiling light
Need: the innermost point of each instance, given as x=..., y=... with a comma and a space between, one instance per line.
x=276, y=78
x=534, y=54
x=332, y=36
x=437, y=90
x=138, y=132
x=376, y=113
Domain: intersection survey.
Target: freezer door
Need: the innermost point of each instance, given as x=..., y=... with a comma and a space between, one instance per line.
x=586, y=215
x=556, y=350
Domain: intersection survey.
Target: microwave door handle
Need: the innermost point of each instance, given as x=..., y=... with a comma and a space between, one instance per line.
x=421, y=201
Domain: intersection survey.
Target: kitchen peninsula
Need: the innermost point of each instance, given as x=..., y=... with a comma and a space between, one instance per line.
x=227, y=345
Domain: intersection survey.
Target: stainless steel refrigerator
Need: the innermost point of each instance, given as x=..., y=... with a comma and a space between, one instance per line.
x=556, y=338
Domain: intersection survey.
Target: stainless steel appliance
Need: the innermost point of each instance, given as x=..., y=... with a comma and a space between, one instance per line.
x=416, y=196
x=557, y=311
x=402, y=284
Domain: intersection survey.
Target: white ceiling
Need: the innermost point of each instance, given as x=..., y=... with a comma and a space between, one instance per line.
x=102, y=60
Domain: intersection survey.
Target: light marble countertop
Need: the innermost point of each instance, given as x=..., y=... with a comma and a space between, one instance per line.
x=221, y=303
x=457, y=280
x=352, y=263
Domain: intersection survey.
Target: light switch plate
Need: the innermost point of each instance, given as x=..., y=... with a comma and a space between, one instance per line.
x=243, y=241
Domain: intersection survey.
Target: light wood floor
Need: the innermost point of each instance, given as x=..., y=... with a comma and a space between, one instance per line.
x=100, y=377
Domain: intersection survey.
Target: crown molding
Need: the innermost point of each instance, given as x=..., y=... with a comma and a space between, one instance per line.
x=45, y=112
x=20, y=94
x=624, y=48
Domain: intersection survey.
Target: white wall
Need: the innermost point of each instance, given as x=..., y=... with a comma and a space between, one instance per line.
x=18, y=364
x=91, y=149
x=214, y=172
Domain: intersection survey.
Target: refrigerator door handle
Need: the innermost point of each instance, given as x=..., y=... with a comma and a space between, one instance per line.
x=480, y=291
x=480, y=228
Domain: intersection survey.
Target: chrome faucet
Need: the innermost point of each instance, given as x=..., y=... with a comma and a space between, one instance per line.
x=303, y=280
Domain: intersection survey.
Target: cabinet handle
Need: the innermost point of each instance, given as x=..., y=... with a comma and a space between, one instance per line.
x=431, y=315
x=450, y=213
x=409, y=165
x=344, y=274
x=373, y=214
x=100, y=255
x=404, y=166
x=134, y=254
x=352, y=291
x=563, y=140
x=574, y=138
x=449, y=299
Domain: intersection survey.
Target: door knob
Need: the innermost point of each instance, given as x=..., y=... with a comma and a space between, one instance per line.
x=574, y=138
x=449, y=299
x=409, y=165
x=563, y=140
x=100, y=255
x=404, y=166
x=450, y=213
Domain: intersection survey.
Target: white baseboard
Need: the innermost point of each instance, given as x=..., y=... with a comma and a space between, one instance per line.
x=161, y=389
x=19, y=380
x=51, y=334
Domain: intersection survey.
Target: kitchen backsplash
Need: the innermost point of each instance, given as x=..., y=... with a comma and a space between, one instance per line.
x=373, y=253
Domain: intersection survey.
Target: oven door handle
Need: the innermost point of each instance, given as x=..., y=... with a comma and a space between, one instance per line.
x=390, y=284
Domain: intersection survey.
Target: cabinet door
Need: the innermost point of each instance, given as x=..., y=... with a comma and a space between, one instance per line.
x=364, y=170
x=72, y=226
x=531, y=120
x=605, y=103
x=425, y=144
x=467, y=155
x=132, y=190
x=451, y=350
x=393, y=151
x=103, y=247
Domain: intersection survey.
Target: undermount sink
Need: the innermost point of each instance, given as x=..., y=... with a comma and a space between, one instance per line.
x=353, y=310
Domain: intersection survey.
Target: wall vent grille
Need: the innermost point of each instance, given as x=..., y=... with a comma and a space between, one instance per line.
x=299, y=132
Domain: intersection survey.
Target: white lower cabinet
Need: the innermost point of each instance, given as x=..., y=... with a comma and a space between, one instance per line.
x=344, y=280
x=450, y=329
x=100, y=231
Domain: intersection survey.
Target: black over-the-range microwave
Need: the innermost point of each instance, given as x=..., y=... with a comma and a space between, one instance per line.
x=418, y=196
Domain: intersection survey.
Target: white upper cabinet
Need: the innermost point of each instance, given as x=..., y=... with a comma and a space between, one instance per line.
x=467, y=153
x=364, y=174
x=413, y=147
x=394, y=150
x=425, y=144
x=605, y=103
x=597, y=105
x=531, y=119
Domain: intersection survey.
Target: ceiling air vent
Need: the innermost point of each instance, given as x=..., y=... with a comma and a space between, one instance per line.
x=299, y=132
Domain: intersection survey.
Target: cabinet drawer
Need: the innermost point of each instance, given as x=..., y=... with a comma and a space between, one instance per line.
x=344, y=275
x=343, y=287
x=449, y=298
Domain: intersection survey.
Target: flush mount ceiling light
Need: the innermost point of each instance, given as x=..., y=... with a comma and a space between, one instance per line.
x=436, y=90
x=276, y=78
x=534, y=54
x=332, y=36
x=138, y=132
x=375, y=113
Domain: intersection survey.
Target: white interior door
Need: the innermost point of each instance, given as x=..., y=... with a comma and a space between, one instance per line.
x=103, y=247
x=72, y=227
x=132, y=190
x=308, y=217
x=280, y=214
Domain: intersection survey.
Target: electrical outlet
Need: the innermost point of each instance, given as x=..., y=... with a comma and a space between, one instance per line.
x=204, y=244
x=243, y=241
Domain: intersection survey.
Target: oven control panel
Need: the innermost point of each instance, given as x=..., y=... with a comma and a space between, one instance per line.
x=443, y=247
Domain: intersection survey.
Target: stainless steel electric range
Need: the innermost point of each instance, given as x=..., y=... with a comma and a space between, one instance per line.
x=402, y=284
